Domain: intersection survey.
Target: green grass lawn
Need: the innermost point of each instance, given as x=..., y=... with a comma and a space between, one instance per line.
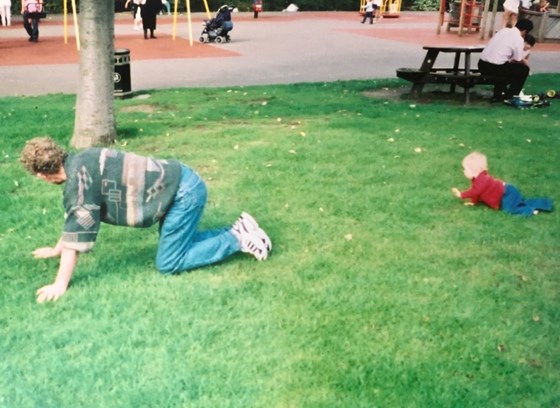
x=382, y=289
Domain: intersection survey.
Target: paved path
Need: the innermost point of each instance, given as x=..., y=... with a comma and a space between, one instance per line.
x=275, y=48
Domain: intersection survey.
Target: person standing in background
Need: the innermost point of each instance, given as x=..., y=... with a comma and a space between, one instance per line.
x=6, y=12
x=30, y=10
x=149, y=11
x=368, y=12
x=511, y=10
x=136, y=7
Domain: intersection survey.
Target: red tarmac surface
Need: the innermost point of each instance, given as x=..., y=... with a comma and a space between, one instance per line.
x=16, y=51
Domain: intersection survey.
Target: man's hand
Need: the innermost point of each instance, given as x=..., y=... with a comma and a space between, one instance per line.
x=50, y=293
x=46, y=252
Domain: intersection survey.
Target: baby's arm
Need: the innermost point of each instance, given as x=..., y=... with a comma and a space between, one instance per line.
x=457, y=193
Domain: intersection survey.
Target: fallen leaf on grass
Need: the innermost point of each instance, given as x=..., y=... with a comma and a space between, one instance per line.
x=535, y=362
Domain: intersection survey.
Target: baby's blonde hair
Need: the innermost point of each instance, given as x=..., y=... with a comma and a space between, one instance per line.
x=476, y=162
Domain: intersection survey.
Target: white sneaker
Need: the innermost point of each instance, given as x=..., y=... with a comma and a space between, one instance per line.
x=253, y=239
x=252, y=223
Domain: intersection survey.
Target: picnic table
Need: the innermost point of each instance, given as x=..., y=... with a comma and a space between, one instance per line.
x=463, y=76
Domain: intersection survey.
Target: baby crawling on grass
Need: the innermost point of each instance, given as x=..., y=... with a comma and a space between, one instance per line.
x=494, y=192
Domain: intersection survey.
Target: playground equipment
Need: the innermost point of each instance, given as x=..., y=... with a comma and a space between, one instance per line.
x=546, y=25
x=65, y=20
x=463, y=14
x=467, y=15
x=389, y=8
x=189, y=20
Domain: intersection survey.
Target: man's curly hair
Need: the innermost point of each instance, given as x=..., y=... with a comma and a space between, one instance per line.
x=42, y=155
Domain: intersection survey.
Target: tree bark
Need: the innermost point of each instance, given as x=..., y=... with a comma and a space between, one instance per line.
x=95, y=122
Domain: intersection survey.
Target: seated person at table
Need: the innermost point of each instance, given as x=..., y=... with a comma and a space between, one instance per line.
x=503, y=58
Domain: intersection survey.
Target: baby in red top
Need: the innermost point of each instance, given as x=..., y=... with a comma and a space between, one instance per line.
x=494, y=192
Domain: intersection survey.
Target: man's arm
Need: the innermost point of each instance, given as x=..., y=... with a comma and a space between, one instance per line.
x=49, y=252
x=68, y=261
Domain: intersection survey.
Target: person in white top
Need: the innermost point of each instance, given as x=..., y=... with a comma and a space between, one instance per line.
x=5, y=12
x=136, y=10
x=368, y=12
x=511, y=10
x=503, y=58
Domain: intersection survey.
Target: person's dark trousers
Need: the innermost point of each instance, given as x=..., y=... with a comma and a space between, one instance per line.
x=31, y=25
x=511, y=75
x=369, y=15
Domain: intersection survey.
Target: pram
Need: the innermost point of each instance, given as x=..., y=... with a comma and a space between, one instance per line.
x=217, y=29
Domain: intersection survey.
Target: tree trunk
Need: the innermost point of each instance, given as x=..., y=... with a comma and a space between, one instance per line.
x=95, y=108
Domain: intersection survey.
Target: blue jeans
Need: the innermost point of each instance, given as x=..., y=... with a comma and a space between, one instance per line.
x=514, y=203
x=181, y=246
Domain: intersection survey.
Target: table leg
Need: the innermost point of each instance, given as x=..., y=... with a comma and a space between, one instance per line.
x=455, y=69
x=427, y=65
x=467, y=76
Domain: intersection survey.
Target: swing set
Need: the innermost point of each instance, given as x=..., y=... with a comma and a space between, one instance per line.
x=175, y=13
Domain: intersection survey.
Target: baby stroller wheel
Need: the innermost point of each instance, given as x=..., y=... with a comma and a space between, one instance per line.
x=219, y=39
x=201, y=39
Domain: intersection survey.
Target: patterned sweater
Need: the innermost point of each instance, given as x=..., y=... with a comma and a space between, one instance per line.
x=118, y=188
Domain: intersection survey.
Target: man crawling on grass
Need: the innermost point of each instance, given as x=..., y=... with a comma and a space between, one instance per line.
x=105, y=185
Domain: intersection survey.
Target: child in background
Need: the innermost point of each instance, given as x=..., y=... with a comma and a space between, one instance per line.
x=543, y=6
x=369, y=10
x=495, y=193
x=511, y=10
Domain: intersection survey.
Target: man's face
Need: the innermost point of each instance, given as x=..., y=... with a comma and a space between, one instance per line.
x=52, y=178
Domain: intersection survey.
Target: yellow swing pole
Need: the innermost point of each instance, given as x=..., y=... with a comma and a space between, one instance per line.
x=175, y=4
x=65, y=22
x=76, y=25
x=190, y=22
x=207, y=10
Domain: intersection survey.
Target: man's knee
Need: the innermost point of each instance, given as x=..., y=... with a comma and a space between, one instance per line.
x=165, y=267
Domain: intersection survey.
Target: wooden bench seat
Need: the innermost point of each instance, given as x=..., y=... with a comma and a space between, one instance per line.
x=453, y=77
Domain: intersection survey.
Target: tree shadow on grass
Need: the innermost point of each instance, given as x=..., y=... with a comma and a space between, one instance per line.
x=434, y=94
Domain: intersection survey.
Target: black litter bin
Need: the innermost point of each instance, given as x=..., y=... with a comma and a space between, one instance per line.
x=121, y=74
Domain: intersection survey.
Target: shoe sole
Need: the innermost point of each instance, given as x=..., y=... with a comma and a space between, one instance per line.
x=259, y=231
